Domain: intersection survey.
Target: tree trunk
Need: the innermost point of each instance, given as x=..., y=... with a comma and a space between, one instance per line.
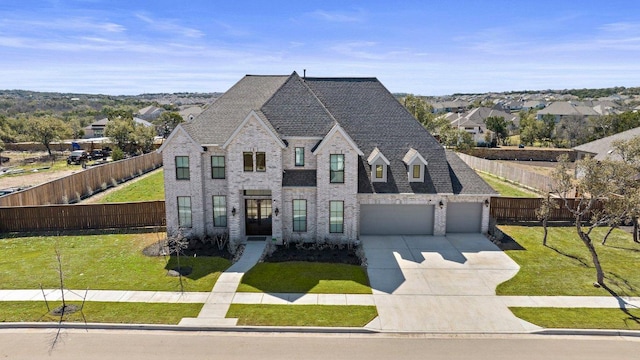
x=544, y=227
x=635, y=230
x=604, y=240
x=592, y=250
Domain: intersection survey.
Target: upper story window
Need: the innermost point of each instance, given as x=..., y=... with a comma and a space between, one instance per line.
x=299, y=161
x=247, y=158
x=379, y=165
x=217, y=167
x=182, y=168
x=261, y=161
x=336, y=173
x=415, y=172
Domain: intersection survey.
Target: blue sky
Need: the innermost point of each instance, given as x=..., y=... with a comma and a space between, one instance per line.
x=420, y=47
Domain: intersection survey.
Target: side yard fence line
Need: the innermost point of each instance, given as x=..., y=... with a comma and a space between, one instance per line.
x=82, y=216
x=75, y=187
x=521, y=176
x=524, y=209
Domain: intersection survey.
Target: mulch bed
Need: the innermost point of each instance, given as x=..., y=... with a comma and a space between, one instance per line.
x=195, y=248
x=311, y=254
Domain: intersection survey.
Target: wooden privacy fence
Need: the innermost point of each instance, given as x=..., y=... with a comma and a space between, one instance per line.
x=524, y=209
x=75, y=187
x=82, y=216
x=521, y=176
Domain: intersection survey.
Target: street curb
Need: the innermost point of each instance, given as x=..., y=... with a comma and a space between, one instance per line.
x=151, y=327
x=589, y=332
x=303, y=330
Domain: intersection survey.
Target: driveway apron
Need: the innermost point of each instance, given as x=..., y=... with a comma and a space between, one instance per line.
x=439, y=284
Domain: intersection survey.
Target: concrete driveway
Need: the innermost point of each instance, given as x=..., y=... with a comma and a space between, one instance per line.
x=439, y=284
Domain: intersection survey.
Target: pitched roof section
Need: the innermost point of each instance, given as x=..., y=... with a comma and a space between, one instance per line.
x=464, y=179
x=299, y=178
x=370, y=114
x=215, y=125
x=603, y=148
x=294, y=105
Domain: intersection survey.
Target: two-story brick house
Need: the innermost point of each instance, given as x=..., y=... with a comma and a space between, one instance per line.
x=315, y=159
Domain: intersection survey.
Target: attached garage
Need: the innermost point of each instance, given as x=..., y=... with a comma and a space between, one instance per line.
x=396, y=219
x=464, y=217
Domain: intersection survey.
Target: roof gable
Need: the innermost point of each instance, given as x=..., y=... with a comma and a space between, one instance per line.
x=337, y=129
x=179, y=129
x=255, y=116
x=376, y=155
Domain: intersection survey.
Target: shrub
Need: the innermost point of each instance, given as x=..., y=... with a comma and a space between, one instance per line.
x=117, y=154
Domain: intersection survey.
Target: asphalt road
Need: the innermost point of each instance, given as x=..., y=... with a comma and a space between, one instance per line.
x=102, y=344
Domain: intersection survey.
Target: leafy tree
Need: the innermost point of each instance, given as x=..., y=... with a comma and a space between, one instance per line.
x=46, y=130
x=7, y=132
x=120, y=130
x=117, y=154
x=546, y=127
x=423, y=112
x=457, y=139
x=142, y=138
x=168, y=121
x=572, y=131
x=597, y=181
x=499, y=126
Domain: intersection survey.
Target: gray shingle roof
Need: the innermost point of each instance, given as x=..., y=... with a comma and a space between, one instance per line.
x=603, y=148
x=294, y=178
x=464, y=179
x=216, y=124
x=370, y=114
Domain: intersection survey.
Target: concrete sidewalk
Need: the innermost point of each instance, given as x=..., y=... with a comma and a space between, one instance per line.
x=299, y=298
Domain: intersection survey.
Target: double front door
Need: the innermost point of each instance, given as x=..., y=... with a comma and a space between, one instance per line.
x=258, y=216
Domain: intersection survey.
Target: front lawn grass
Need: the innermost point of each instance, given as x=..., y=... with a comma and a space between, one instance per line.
x=306, y=277
x=580, y=318
x=99, y=262
x=505, y=188
x=302, y=315
x=100, y=312
x=565, y=267
x=149, y=188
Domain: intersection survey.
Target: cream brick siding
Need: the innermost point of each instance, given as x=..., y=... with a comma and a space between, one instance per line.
x=253, y=137
x=288, y=154
x=181, y=145
x=214, y=187
x=346, y=192
x=301, y=193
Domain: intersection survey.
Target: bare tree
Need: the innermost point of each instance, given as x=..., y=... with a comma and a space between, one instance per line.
x=176, y=244
x=544, y=212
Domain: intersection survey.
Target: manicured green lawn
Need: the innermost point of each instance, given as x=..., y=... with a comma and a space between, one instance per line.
x=306, y=277
x=100, y=312
x=99, y=262
x=564, y=267
x=505, y=188
x=150, y=188
x=302, y=315
x=580, y=318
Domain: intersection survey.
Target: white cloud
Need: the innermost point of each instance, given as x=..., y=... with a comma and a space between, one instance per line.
x=338, y=16
x=169, y=26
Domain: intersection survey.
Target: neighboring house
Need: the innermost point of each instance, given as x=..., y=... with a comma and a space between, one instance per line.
x=96, y=129
x=533, y=104
x=315, y=159
x=456, y=106
x=602, y=149
x=150, y=113
x=189, y=113
x=563, y=109
x=473, y=121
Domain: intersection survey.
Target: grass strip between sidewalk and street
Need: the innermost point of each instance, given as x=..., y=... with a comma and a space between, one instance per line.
x=302, y=315
x=306, y=277
x=100, y=312
x=580, y=318
x=564, y=266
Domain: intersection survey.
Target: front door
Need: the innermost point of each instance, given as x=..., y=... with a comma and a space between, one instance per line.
x=258, y=216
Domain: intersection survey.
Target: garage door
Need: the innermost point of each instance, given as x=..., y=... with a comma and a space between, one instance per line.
x=396, y=219
x=464, y=217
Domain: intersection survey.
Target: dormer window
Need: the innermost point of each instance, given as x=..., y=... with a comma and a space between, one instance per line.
x=416, y=165
x=379, y=166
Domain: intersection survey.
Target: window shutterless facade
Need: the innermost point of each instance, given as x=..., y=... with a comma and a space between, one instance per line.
x=336, y=216
x=182, y=168
x=300, y=215
x=299, y=156
x=184, y=211
x=248, y=161
x=217, y=167
x=261, y=161
x=219, y=211
x=336, y=174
